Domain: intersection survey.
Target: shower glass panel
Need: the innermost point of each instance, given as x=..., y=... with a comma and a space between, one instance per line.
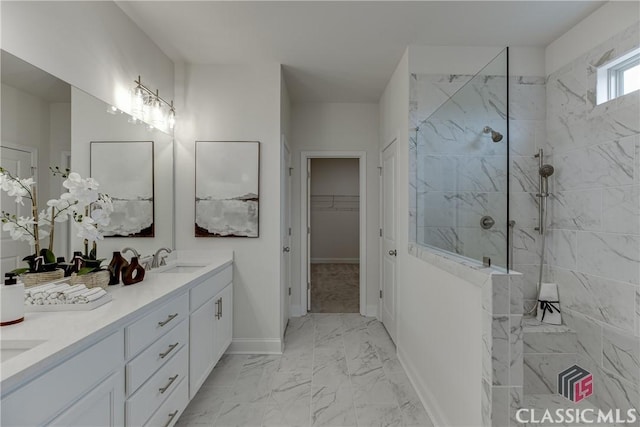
x=461, y=169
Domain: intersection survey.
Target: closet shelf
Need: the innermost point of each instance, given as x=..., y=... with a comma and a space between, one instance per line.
x=335, y=203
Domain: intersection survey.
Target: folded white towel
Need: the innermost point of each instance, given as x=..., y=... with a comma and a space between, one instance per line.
x=88, y=297
x=74, y=288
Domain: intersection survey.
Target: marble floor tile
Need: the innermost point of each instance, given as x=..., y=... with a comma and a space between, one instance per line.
x=333, y=406
x=205, y=406
x=337, y=370
x=379, y=415
x=240, y=415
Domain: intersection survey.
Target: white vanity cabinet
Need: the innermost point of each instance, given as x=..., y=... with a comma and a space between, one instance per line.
x=158, y=360
x=86, y=389
x=143, y=367
x=210, y=326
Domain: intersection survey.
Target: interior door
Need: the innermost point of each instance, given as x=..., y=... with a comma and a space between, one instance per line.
x=389, y=249
x=19, y=163
x=285, y=233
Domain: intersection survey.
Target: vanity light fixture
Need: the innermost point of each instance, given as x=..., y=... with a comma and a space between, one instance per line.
x=149, y=106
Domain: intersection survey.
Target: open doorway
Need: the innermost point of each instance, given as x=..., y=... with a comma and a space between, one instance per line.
x=334, y=216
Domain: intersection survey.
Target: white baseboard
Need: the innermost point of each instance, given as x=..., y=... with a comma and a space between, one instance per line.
x=335, y=260
x=372, y=311
x=296, y=311
x=255, y=346
x=424, y=393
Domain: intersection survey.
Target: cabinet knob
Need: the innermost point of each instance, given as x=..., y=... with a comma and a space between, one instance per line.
x=393, y=252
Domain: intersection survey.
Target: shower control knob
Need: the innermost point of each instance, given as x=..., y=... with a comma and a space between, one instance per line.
x=487, y=222
x=393, y=252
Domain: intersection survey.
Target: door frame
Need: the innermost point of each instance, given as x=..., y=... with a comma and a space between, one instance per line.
x=305, y=156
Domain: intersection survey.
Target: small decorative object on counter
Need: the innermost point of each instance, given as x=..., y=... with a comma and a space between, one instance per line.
x=549, y=305
x=117, y=267
x=134, y=273
x=11, y=301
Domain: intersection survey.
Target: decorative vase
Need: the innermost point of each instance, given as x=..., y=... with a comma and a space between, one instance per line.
x=134, y=273
x=117, y=266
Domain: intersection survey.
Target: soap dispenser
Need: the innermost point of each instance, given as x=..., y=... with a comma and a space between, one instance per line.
x=11, y=300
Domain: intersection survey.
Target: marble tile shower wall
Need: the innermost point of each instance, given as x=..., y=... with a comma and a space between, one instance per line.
x=594, y=238
x=458, y=175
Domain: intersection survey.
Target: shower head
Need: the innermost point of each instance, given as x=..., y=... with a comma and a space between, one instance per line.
x=546, y=171
x=495, y=136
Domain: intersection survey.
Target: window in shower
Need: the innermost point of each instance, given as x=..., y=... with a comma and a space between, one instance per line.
x=619, y=77
x=459, y=168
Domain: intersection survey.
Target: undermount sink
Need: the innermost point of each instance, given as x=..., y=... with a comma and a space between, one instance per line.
x=182, y=269
x=12, y=348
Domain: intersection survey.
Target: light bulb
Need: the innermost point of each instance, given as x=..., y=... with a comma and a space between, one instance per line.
x=157, y=116
x=171, y=119
x=112, y=109
x=137, y=102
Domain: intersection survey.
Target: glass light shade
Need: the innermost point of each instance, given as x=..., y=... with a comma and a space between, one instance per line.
x=171, y=119
x=157, y=115
x=137, y=103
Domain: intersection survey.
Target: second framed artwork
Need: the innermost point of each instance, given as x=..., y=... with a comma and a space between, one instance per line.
x=227, y=188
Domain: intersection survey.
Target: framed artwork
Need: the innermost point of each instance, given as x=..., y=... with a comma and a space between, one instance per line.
x=227, y=188
x=124, y=170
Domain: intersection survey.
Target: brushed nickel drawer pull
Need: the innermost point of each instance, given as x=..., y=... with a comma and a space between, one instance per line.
x=169, y=319
x=171, y=417
x=171, y=380
x=169, y=350
x=220, y=308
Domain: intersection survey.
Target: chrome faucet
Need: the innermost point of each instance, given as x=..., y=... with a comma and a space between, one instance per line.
x=159, y=261
x=133, y=251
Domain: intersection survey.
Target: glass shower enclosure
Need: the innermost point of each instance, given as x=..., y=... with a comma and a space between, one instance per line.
x=460, y=169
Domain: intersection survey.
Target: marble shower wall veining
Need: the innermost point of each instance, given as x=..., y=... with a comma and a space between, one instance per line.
x=462, y=176
x=594, y=237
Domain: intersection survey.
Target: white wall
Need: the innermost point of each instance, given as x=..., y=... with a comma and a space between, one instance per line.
x=335, y=230
x=337, y=127
x=236, y=103
x=601, y=25
x=91, y=45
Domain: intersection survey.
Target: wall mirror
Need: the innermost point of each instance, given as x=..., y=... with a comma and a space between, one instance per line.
x=46, y=122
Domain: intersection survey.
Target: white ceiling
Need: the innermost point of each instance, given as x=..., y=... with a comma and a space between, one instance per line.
x=343, y=51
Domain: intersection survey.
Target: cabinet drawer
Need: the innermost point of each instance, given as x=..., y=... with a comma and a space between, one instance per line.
x=211, y=286
x=150, y=396
x=38, y=401
x=154, y=357
x=168, y=414
x=146, y=330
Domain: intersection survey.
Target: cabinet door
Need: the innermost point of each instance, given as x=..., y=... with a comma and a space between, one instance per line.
x=224, y=322
x=101, y=406
x=201, y=345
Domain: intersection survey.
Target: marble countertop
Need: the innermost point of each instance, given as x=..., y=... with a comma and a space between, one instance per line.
x=64, y=333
